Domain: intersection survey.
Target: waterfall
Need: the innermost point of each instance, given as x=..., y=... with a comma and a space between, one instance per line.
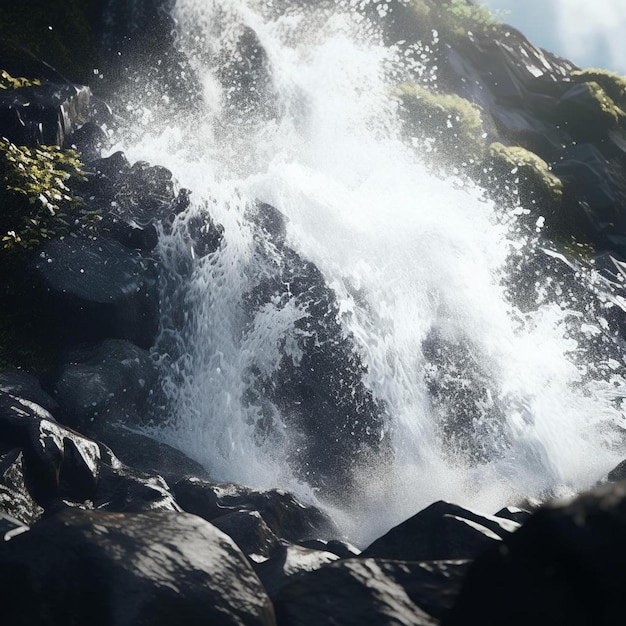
x=461, y=395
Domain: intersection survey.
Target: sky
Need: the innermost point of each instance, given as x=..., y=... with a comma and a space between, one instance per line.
x=591, y=33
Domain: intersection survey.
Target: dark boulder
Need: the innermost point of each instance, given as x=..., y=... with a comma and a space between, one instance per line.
x=442, y=531
x=618, y=472
x=342, y=549
x=286, y=516
x=103, y=384
x=15, y=499
x=564, y=566
x=251, y=534
x=369, y=591
x=45, y=114
x=127, y=490
x=146, y=454
x=288, y=560
x=514, y=514
x=111, y=569
x=27, y=387
x=134, y=201
x=58, y=462
x=96, y=289
x=333, y=421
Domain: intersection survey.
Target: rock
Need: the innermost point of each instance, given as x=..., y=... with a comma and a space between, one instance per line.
x=286, y=516
x=316, y=372
x=514, y=514
x=58, y=462
x=342, y=549
x=127, y=490
x=286, y=561
x=45, y=114
x=618, y=473
x=109, y=382
x=251, y=534
x=27, y=387
x=98, y=289
x=132, y=200
x=563, y=566
x=142, y=452
x=442, y=531
x=15, y=499
x=80, y=567
x=359, y=592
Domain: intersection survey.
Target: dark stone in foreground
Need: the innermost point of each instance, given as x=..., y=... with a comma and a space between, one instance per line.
x=45, y=114
x=441, y=531
x=98, y=289
x=89, y=567
x=286, y=516
x=58, y=462
x=564, y=566
x=370, y=591
x=105, y=383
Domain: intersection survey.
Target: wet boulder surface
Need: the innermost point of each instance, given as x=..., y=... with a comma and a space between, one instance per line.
x=112, y=568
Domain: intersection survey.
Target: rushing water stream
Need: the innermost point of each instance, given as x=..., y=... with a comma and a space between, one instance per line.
x=483, y=405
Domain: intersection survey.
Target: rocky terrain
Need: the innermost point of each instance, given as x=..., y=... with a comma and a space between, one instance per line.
x=104, y=525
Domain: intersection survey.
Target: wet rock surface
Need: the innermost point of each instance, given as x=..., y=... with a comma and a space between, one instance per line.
x=99, y=289
x=110, y=568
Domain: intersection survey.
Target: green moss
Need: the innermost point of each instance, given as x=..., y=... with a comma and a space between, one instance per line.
x=531, y=170
x=8, y=82
x=35, y=197
x=613, y=84
x=451, y=125
x=590, y=112
x=459, y=17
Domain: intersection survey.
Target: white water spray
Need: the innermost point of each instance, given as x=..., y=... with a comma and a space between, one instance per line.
x=414, y=260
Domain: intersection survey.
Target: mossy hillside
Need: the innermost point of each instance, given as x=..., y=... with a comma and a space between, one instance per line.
x=62, y=34
x=449, y=126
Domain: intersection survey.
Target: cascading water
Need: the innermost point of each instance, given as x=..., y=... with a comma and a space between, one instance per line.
x=468, y=398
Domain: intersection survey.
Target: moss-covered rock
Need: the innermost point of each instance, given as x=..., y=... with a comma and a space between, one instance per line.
x=613, y=84
x=448, y=126
x=532, y=172
x=589, y=111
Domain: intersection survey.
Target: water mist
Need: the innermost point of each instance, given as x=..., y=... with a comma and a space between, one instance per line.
x=484, y=405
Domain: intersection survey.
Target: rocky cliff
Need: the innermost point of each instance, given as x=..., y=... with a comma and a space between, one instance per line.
x=105, y=525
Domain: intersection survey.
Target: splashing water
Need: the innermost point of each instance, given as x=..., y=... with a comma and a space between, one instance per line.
x=485, y=405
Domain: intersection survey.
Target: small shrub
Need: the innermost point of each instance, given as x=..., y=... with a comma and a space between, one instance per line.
x=35, y=197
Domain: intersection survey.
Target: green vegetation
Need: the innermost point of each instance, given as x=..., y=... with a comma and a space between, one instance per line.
x=8, y=82
x=452, y=125
x=590, y=111
x=533, y=173
x=613, y=84
x=459, y=17
x=35, y=197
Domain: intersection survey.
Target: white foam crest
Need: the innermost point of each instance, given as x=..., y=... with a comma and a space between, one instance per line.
x=407, y=253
